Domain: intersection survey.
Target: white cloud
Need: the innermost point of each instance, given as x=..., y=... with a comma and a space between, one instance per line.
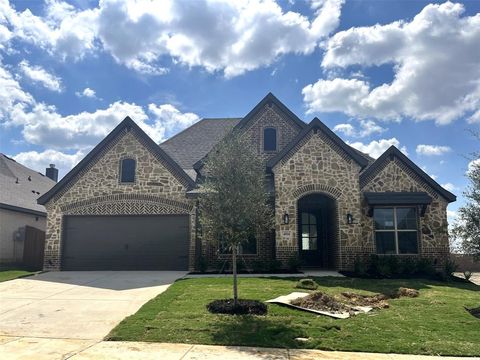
x=37, y=74
x=218, y=35
x=435, y=61
x=65, y=31
x=376, y=148
x=87, y=92
x=367, y=127
x=429, y=150
x=12, y=95
x=168, y=120
x=449, y=186
x=39, y=161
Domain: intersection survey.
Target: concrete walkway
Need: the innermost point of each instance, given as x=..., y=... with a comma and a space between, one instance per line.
x=76, y=305
x=51, y=349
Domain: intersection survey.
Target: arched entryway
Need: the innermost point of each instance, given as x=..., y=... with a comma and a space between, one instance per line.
x=317, y=224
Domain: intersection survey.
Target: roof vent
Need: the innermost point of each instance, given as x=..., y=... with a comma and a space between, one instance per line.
x=29, y=178
x=16, y=181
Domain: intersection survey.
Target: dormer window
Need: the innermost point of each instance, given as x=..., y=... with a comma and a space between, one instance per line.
x=270, y=139
x=127, y=171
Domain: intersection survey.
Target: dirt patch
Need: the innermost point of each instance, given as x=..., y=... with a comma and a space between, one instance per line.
x=377, y=301
x=323, y=302
x=347, y=301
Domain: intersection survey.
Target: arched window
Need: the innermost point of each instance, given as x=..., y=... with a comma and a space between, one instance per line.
x=269, y=139
x=127, y=171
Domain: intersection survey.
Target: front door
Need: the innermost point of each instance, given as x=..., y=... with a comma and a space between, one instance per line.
x=311, y=238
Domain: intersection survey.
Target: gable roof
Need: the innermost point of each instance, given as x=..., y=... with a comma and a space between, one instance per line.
x=127, y=124
x=21, y=187
x=316, y=124
x=192, y=144
x=270, y=98
x=392, y=152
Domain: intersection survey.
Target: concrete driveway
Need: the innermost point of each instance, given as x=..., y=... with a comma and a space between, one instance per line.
x=82, y=305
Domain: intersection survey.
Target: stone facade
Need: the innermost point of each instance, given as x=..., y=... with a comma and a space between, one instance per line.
x=432, y=234
x=270, y=117
x=317, y=165
x=98, y=191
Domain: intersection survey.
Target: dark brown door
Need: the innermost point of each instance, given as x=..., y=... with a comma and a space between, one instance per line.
x=126, y=242
x=33, y=248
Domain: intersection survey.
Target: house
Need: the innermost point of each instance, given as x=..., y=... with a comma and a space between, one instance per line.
x=20, y=187
x=132, y=204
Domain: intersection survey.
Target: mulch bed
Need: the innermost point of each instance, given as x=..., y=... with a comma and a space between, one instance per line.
x=244, y=307
x=474, y=311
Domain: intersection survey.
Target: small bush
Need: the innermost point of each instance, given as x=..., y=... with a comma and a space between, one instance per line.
x=409, y=266
x=202, y=264
x=425, y=267
x=467, y=275
x=244, y=307
x=308, y=284
x=259, y=266
x=360, y=266
x=294, y=264
x=450, y=267
x=273, y=265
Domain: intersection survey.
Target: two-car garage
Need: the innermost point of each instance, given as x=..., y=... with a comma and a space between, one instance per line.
x=153, y=242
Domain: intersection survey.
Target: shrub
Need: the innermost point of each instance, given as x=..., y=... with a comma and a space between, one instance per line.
x=294, y=264
x=360, y=266
x=273, y=265
x=202, y=264
x=409, y=266
x=244, y=307
x=467, y=274
x=259, y=266
x=308, y=284
x=425, y=267
x=450, y=267
x=396, y=266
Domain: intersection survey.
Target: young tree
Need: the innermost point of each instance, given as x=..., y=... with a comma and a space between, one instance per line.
x=234, y=198
x=467, y=226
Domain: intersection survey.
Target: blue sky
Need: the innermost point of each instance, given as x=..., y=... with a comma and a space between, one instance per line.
x=378, y=72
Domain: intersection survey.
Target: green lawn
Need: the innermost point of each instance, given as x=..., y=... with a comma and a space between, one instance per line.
x=11, y=273
x=433, y=323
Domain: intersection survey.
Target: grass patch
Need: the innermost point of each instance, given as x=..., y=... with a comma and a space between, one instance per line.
x=434, y=323
x=12, y=273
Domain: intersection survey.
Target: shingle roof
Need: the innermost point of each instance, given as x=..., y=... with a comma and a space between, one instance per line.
x=24, y=193
x=193, y=143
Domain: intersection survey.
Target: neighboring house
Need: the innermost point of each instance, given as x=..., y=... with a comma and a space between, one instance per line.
x=20, y=187
x=132, y=204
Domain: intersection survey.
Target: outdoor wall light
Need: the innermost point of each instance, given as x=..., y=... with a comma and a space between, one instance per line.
x=286, y=218
x=349, y=219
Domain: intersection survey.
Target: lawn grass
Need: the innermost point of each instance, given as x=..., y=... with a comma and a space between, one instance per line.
x=434, y=323
x=13, y=273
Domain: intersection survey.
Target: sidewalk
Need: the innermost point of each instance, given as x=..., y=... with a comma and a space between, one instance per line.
x=51, y=349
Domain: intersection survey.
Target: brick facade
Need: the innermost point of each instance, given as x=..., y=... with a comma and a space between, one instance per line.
x=98, y=191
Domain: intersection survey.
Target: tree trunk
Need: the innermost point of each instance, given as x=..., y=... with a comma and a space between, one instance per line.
x=234, y=270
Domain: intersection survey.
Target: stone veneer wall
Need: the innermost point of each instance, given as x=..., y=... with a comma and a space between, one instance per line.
x=97, y=191
x=433, y=234
x=270, y=117
x=317, y=166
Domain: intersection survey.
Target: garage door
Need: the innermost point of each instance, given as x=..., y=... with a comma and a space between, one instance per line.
x=126, y=242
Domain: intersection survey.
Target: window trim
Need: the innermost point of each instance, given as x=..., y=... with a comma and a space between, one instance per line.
x=120, y=179
x=396, y=231
x=276, y=139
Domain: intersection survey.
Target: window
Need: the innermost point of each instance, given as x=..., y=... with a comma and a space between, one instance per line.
x=127, y=171
x=309, y=231
x=269, y=139
x=396, y=230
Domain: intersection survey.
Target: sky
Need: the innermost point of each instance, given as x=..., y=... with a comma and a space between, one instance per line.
x=379, y=73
